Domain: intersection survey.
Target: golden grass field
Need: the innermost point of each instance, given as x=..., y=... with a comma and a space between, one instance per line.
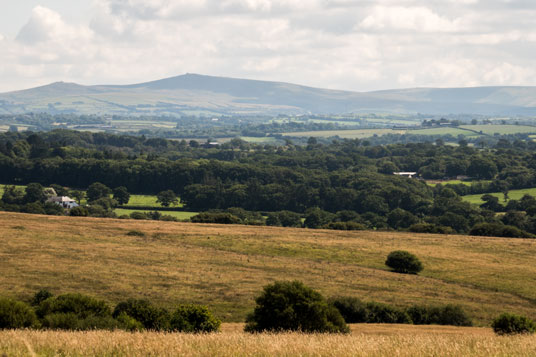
x=226, y=266
x=365, y=340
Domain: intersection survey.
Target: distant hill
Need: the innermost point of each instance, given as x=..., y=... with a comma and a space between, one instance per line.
x=195, y=94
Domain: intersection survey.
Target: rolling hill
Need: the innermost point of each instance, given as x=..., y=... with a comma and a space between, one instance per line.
x=226, y=266
x=193, y=94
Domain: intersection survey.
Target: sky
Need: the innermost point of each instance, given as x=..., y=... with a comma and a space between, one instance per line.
x=338, y=44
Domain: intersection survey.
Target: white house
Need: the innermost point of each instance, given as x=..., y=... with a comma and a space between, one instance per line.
x=64, y=201
x=405, y=174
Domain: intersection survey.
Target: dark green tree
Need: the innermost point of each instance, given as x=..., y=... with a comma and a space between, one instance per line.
x=292, y=306
x=121, y=195
x=97, y=190
x=404, y=262
x=167, y=198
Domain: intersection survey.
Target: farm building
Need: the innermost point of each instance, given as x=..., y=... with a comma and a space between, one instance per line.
x=406, y=174
x=64, y=201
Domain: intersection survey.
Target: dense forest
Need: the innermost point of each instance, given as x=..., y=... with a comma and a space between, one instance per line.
x=347, y=184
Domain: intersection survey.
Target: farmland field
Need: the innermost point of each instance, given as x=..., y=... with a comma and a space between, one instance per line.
x=365, y=340
x=348, y=134
x=442, y=131
x=225, y=266
x=501, y=129
x=512, y=195
x=181, y=215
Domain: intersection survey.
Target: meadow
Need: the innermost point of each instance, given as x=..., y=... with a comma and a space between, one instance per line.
x=512, y=195
x=365, y=340
x=226, y=266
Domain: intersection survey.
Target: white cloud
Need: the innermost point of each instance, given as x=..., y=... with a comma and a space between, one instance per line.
x=345, y=44
x=407, y=18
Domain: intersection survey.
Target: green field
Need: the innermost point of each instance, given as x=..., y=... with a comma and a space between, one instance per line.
x=181, y=215
x=512, y=195
x=500, y=129
x=146, y=200
x=347, y=134
x=452, y=182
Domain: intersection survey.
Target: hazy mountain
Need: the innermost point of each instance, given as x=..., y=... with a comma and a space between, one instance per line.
x=192, y=93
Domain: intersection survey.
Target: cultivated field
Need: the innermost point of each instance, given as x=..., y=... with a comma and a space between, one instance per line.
x=225, y=266
x=365, y=340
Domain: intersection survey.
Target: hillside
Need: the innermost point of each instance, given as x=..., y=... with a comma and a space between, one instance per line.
x=225, y=267
x=195, y=94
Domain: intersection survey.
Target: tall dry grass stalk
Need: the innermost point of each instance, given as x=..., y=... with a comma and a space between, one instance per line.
x=421, y=342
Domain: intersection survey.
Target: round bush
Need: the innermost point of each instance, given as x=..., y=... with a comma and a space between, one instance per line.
x=151, y=317
x=403, y=262
x=16, y=314
x=291, y=306
x=80, y=305
x=509, y=324
x=194, y=318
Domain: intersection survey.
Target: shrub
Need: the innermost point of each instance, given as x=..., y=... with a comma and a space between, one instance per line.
x=129, y=323
x=292, y=306
x=79, y=212
x=16, y=314
x=136, y=233
x=194, y=318
x=352, y=309
x=403, y=262
x=439, y=315
x=385, y=314
x=345, y=226
x=138, y=215
x=151, y=317
x=80, y=305
x=498, y=230
x=214, y=217
x=72, y=321
x=41, y=296
x=430, y=228
x=508, y=324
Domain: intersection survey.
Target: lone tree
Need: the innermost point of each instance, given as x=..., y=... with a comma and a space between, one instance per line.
x=292, y=306
x=121, y=195
x=403, y=262
x=167, y=198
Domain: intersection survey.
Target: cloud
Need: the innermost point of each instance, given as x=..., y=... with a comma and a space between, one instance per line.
x=342, y=44
x=407, y=18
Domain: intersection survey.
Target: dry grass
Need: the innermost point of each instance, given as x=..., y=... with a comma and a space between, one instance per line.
x=364, y=341
x=225, y=267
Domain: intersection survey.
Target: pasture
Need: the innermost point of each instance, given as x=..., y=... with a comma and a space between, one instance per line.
x=512, y=195
x=365, y=340
x=226, y=266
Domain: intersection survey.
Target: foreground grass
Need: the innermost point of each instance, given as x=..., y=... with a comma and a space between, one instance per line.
x=363, y=341
x=512, y=195
x=226, y=266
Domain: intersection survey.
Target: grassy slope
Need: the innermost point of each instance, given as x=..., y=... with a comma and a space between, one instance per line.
x=225, y=267
x=365, y=340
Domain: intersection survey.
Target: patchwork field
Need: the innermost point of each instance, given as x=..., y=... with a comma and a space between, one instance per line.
x=365, y=340
x=225, y=266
